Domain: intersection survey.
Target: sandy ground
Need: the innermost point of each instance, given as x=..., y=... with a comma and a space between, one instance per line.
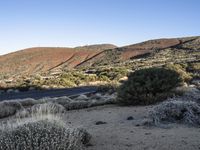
x=121, y=134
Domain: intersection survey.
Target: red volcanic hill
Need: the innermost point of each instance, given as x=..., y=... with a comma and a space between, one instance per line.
x=41, y=59
x=121, y=54
x=37, y=60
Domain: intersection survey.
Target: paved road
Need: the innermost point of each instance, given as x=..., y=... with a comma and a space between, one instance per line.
x=48, y=93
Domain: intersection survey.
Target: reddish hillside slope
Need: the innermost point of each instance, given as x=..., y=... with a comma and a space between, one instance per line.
x=128, y=52
x=37, y=60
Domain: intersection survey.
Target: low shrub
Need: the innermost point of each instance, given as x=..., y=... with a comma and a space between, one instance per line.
x=186, y=112
x=34, y=133
x=9, y=108
x=41, y=110
x=147, y=86
x=28, y=102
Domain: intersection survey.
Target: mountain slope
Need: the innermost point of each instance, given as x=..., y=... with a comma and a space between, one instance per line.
x=125, y=53
x=39, y=60
x=42, y=59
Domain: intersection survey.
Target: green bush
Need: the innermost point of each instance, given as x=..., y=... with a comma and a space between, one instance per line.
x=147, y=86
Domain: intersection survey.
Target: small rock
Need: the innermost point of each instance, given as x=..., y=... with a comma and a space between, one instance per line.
x=100, y=122
x=130, y=118
x=162, y=136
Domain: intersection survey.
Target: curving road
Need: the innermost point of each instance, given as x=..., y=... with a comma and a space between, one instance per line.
x=48, y=93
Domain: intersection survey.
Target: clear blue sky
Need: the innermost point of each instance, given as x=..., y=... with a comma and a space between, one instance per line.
x=68, y=23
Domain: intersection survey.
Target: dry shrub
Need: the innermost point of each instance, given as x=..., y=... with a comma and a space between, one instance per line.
x=27, y=102
x=186, y=112
x=41, y=110
x=36, y=133
x=76, y=103
x=9, y=108
x=48, y=108
x=28, y=107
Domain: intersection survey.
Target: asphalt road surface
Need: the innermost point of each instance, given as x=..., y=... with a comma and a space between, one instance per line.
x=48, y=93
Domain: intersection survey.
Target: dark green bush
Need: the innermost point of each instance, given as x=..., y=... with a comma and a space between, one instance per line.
x=148, y=86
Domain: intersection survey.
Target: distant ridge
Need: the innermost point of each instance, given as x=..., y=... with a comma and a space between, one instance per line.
x=43, y=59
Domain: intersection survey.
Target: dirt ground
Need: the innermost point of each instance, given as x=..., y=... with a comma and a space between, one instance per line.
x=117, y=132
